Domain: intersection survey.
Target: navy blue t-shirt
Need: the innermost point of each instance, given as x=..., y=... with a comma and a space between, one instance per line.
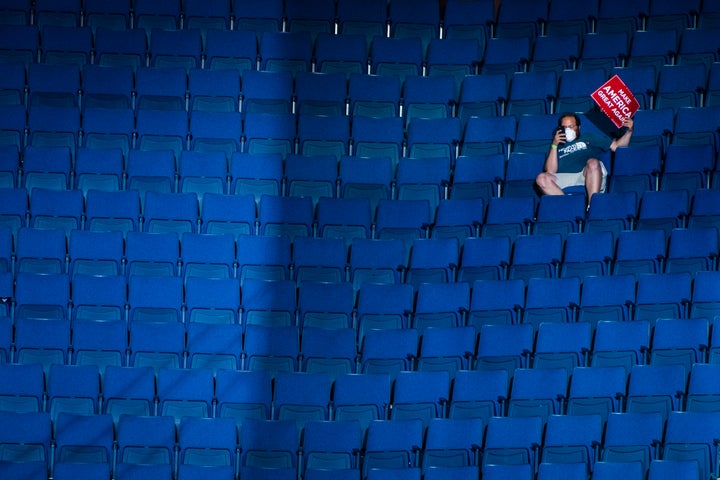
x=572, y=156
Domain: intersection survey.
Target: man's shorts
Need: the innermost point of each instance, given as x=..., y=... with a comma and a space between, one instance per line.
x=565, y=180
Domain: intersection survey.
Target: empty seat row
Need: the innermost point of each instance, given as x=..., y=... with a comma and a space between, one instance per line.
x=353, y=442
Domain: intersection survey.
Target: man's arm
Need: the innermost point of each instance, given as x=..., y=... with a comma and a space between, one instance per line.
x=551, y=161
x=624, y=140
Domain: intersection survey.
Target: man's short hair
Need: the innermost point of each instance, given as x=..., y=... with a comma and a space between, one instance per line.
x=569, y=114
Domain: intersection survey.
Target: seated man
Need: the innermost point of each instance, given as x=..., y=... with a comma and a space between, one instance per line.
x=573, y=158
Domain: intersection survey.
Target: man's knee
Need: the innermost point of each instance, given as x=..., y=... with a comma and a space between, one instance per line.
x=543, y=180
x=593, y=165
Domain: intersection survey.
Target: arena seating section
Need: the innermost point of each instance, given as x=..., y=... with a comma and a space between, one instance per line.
x=301, y=239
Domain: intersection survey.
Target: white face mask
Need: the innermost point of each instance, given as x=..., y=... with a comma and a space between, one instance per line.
x=570, y=134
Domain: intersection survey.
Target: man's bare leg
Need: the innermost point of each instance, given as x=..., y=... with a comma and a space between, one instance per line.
x=547, y=184
x=593, y=177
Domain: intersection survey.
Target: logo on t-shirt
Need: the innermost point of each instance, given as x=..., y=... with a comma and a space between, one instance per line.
x=574, y=147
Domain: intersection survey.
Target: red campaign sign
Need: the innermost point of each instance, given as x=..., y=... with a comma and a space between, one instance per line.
x=616, y=100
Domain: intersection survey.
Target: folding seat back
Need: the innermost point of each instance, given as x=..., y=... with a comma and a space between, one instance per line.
x=507, y=54
x=214, y=347
x=126, y=47
x=46, y=167
x=162, y=130
x=302, y=397
x=56, y=209
x=242, y=395
x=653, y=48
x=537, y=392
x=157, y=345
x=146, y=440
x=321, y=94
x=680, y=85
x=151, y=171
x=269, y=444
x=100, y=343
x=228, y=215
x=214, y=90
x=657, y=125
x=447, y=349
x=106, y=128
x=562, y=345
x=532, y=93
x=73, y=389
x=209, y=444
x=151, y=254
x=66, y=45
x=257, y=16
x=375, y=96
x=656, y=388
x=512, y=440
x=362, y=398
x=378, y=137
x=434, y=137
x=269, y=302
x=212, y=300
x=441, y=305
x=323, y=135
x=389, y=351
x=488, y=135
x=458, y=218
x=319, y=259
x=432, y=261
x=24, y=389
x=269, y=133
x=687, y=439
x=383, y=306
x=702, y=395
x=496, y=302
x=704, y=295
x=42, y=295
x=478, y=394
x=26, y=437
x=596, y=390
x=99, y=297
x=662, y=296
x=508, y=216
x=376, y=261
x=587, y=254
x=325, y=305
x=128, y=390
x=663, y=210
x=452, y=444
x=344, y=54
x=683, y=343
x=687, y=167
x=638, y=252
x=22, y=42
x=366, y=178
x=632, y=437
x=256, y=174
x=551, y=300
x=208, y=256
x=185, y=393
x=482, y=96
x=504, y=347
x=107, y=87
x=312, y=17
x=561, y=214
x=596, y=56
x=112, y=211
x=176, y=48
x=536, y=256
x=392, y=444
x=98, y=170
x=400, y=57
x=271, y=349
x=231, y=49
x=263, y=258
x=428, y=97
x=344, y=218
x=456, y=57
x=202, y=172
x=160, y=89
x=61, y=93
x=332, y=352
x=84, y=438
x=332, y=446
x=162, y=15
x=571, y=439
x=620, y=344
x=285, y=51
